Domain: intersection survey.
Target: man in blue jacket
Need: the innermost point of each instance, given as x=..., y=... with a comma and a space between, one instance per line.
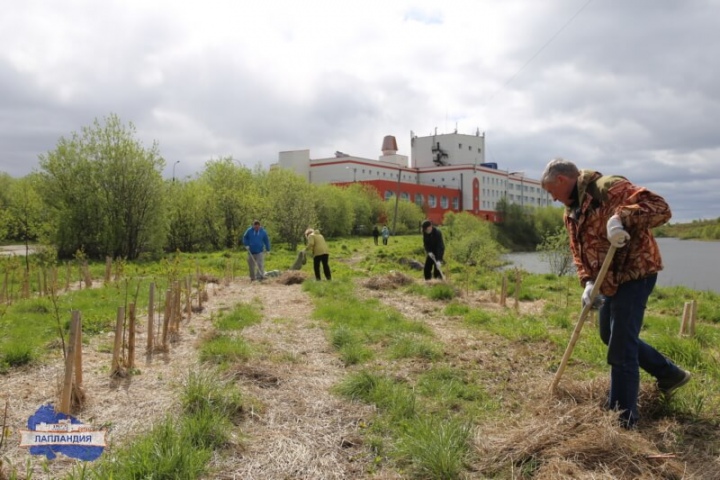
x=255, y=239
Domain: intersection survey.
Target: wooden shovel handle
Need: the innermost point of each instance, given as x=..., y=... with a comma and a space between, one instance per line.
x=583, y=315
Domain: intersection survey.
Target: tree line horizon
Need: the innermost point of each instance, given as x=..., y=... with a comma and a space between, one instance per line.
x=101, y=193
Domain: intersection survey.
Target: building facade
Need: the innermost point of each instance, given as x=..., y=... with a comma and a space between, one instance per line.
x=446, y=172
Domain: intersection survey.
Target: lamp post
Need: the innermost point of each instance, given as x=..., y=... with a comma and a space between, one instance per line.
x=397, y=199
x=174, y=169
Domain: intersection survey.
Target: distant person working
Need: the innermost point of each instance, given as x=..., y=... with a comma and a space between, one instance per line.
x=256, y=242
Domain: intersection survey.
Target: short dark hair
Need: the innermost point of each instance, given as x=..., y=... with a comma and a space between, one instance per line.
x=256, y=222
x=426, y=223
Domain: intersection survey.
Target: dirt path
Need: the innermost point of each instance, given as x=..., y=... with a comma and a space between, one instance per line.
x=295, y=428
x=299, y=429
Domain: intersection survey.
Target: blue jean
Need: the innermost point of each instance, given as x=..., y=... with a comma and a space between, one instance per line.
x=620, y=321
x=256, y=264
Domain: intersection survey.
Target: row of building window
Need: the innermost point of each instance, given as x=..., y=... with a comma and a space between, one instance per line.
x=403, y=177
x=517, y=199
x=431, y=200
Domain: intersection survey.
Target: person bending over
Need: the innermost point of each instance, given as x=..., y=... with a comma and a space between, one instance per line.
x=601, y=211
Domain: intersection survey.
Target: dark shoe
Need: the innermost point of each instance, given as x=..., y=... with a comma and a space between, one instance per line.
x=668, y=385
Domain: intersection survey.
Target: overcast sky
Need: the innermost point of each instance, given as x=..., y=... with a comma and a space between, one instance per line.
x=627, y=87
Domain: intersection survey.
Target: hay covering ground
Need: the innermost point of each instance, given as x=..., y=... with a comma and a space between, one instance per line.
x=296, y=428
x=573, y=437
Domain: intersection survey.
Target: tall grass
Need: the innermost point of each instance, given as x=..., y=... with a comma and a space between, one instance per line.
x=179, y=446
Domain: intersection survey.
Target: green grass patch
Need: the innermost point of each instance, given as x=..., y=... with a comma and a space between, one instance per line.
x=242, y=315
x=178, y=447
x=224, y=349
x=436, y=447
x=413, y=346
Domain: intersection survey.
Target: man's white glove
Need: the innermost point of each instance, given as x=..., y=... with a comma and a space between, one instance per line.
x=438, y=263
x=616, y=234
x=586, y=293
x=431, y=255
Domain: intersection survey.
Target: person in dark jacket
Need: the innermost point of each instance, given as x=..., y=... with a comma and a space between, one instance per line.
x=604, y=210
x=376, y=234
x=434, y=249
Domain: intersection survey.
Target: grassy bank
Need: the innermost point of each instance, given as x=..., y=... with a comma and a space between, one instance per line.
x=458, y=383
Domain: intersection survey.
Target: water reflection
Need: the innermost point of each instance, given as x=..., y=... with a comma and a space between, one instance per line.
x=688, y=263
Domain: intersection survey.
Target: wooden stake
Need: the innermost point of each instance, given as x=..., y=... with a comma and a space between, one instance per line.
x=108, y=269
x=693, y=316
x=66, y=395
x=503, y=290
x=151, y=319
x=188, y=291
x=166, y=320
x=77, y=319
x=116, y=368
x=685, y=319
x=177, y=311
x=131, y=337
x=86, y=274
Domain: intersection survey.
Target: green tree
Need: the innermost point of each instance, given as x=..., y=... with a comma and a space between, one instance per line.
x=470, y=241
x=367, y=205
x=410, y=216
x=105, y=191
x=232, y=201
x=6, y=182
x=516, y=229
x=292, y=205
x=335, y=213
x=547, y=220
x=186, y=216
x=28, y=219
x=555, y=249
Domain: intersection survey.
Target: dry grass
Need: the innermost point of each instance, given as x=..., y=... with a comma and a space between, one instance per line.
x=573, y=437
x=295, y=428
x=388, y=282
x=291, y=277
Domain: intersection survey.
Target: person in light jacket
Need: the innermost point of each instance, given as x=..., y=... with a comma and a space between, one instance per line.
x=385, y=234
x=318, y=249
x=256, y=242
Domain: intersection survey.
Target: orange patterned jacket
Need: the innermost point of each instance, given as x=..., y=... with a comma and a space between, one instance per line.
x=599, y=198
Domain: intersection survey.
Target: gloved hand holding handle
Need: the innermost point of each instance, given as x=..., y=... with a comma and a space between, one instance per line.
x=586, y=293
x=616, y=233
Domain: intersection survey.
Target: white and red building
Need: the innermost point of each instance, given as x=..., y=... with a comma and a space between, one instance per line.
x=446, y=172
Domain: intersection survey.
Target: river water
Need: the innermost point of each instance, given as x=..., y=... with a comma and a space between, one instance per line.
x=688, y=263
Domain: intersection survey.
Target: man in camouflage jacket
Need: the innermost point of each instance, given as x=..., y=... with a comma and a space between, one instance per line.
x=610, y=210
